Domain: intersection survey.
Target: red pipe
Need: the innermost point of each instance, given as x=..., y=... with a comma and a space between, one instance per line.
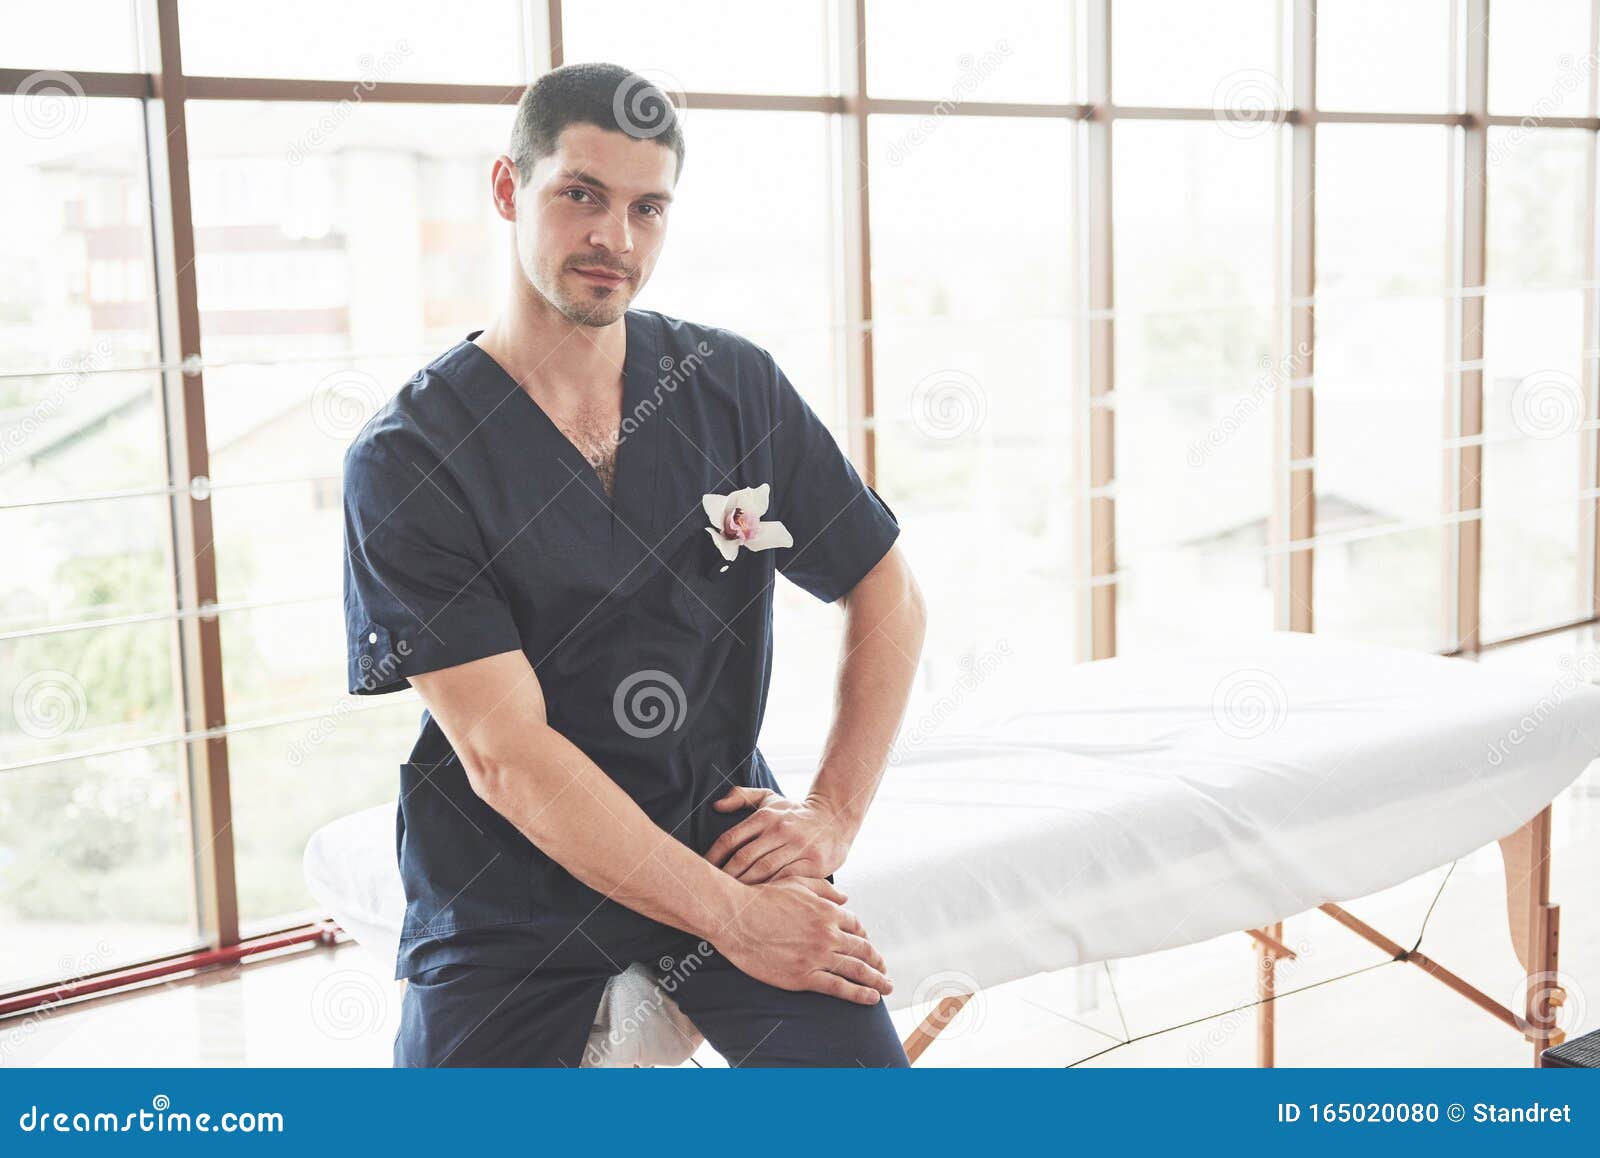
x=133, y=974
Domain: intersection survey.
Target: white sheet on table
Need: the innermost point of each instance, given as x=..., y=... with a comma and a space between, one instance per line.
x=1122, y=818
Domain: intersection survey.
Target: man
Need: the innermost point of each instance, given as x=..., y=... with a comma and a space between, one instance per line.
x=564, y=533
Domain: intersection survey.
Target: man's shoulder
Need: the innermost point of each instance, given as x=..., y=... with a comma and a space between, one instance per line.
x=682, y=338
x=724, y=366
x=413, y=420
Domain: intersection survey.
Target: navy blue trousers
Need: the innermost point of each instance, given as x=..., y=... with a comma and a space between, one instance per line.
x=477, y=1015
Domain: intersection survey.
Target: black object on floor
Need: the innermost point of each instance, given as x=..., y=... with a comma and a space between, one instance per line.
x=1579, y=1053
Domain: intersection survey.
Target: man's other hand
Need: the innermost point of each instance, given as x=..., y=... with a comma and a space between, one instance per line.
x=781, y=838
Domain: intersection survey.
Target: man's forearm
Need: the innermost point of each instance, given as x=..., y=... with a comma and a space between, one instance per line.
x=885, y=623
x=566, y=805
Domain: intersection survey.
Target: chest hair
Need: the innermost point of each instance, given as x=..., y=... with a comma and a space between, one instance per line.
x=595, y=438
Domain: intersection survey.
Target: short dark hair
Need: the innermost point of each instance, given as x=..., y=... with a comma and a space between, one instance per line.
x=606, y=95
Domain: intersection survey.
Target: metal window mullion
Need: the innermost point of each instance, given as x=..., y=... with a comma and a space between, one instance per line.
x=199, y=653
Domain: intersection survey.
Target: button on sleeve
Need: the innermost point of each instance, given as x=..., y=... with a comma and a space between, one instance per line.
x=419, y=594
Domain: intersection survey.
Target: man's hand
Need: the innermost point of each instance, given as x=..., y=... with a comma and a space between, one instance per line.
x=796, y=935
x=782, y=838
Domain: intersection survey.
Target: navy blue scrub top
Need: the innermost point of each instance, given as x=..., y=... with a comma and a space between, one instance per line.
x=473, y=526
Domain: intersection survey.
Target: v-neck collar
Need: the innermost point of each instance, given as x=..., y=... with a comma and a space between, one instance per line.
x=633, y=485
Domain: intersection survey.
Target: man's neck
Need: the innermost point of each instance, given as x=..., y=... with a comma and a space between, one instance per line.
x=556, y=359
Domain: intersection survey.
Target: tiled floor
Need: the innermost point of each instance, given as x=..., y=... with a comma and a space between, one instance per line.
x=334, y=1007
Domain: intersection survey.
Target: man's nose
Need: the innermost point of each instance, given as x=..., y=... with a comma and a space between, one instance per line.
x=613, y=234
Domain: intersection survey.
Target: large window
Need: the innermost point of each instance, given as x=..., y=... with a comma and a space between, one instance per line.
x=974, y=414
x=93, y=867
x=1538, y=425
x=1382, y=416
x=1195, y=223
x=1041, y=268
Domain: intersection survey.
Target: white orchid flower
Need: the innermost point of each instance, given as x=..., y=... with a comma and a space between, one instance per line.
x=736, y=521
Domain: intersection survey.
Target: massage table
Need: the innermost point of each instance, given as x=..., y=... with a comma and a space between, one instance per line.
x=1147, y=803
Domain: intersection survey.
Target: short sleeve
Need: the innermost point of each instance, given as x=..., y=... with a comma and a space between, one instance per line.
x=840, y=527
x=418, y=592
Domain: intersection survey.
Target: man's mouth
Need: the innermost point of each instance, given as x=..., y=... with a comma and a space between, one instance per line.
x=602, y=276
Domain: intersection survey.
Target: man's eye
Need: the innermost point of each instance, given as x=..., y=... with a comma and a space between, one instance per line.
x=575, y=192
x=655, y=210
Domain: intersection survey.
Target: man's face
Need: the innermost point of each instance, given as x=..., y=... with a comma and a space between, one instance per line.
x=597, y=204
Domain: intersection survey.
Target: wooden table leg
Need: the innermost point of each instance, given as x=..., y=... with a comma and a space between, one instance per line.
x=1535, y=928
x=1266, y=987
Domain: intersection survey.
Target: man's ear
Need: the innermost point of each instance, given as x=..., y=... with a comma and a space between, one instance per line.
x=504, y=181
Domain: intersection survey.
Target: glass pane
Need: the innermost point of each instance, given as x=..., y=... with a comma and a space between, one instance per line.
x=280, y=540
x=944, y=235
x=290, y=780
x=1534, y=461
x=1536, y=207
x=1376, y=55
x=470, y=42
x=271, y=421
x=955, y=51
x=1197, y=371
x=973, y=397
x=377, y=236
x=975, y=422
x=708, y=45
x=92, y=35
x=74, y=237
x=326, y=282
x=284, y=660
x=77, y=691
x=80, y=432
x=1387, y=589
x=1382, y=261
x=756, y=183
x=1540, y=62
x=94, y=866
x=82, y=561
x=1198, y=53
